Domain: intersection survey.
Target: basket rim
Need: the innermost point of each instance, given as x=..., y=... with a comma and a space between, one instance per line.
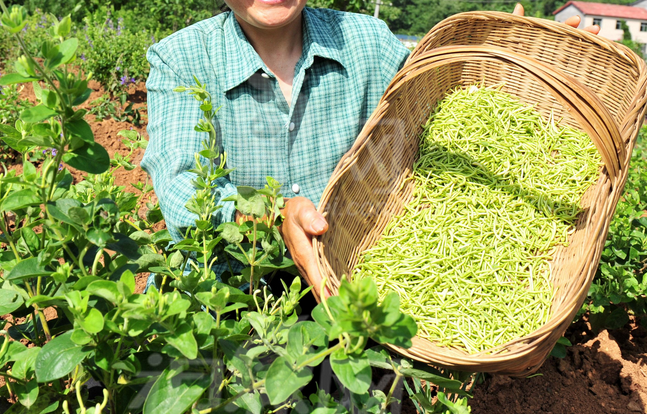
x=542, y=24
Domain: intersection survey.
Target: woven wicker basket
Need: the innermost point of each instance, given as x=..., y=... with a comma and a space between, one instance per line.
x=589, y=82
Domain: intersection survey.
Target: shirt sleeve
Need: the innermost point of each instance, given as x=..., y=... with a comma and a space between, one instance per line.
x=393, y=54
x=172, y=145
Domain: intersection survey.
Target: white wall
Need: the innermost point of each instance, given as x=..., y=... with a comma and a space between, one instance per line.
x=568, y=12
x=641, y=3
x=608, y=28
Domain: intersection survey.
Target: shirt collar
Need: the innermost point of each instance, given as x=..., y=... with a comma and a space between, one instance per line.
x=318, y=38
x=242, y=61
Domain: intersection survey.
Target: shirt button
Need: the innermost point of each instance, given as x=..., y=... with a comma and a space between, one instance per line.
x=265, y=75
x=292, y=129
x=296, y=188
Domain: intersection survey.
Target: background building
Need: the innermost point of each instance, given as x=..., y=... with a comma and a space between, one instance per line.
x=609, y=18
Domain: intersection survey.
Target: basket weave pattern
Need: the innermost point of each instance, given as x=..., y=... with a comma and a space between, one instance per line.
x=585, y=81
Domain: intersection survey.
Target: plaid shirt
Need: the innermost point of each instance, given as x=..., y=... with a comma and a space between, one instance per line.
x=348, y=61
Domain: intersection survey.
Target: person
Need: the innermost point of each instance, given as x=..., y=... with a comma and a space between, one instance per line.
x=294, y=86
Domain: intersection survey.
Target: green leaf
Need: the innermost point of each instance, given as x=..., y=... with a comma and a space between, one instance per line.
x=91, y=158
x=24, y=364
x=14, y=78
x=29, y=171
x=282, y=380
x=14, y=350
x=302, y=336
x=162, y=236
x=250, y=401
x=98, y=237
x=67, y=49
x=43, y=130
x=203, y=322
x=458, y=407
x=125, y=245
x=10, y=131
x=320, y=315
x=19, y=200
x=564, y=341
x=105, y=289
x=174, y=395
x=184, y=341
x=141, y=238
x=63, y=27
x=231, y=233
x=354, y=372
x=80, y=337
x=81, y=129
x=12, y=137
x=10, y=300
x=149, y=260
x=37, y=141
x=50, y=99
x=27, y=393
x=176, y=259
x=78, y=214
x=250, y=202
x=26, y=269
x=45, y=300
x=449, y=384
x=82, y=98
x=177, y=305
x=617, y=318
x=378, y=357
x=37, y=114
x=59, y=357
x=92, y=322
x=128, y=134
x=558, y=351
x=128, y=279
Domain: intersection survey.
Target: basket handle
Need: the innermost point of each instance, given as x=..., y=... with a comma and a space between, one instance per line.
x=581, y=102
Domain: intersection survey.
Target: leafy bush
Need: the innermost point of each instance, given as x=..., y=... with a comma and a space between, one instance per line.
x=621, y=280
x=195, y=343
x=146, y=14
x=114, y=54
x=10, y=107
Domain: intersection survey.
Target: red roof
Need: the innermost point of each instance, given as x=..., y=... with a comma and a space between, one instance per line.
x=607, y=10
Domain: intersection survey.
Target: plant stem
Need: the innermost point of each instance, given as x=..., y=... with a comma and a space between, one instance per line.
x=6, y=374
x=5, y=230
x=398, y=376
x=252, y=261
x=41, y=315
x=95, y=264
x=228, y=401
x=59, y=157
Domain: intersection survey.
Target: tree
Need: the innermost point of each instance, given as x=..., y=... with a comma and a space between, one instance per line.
x=628, y=41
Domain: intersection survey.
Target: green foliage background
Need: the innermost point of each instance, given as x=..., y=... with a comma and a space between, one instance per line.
x=415, y=17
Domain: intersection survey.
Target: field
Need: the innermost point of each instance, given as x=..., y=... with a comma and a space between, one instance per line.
x=75, y=271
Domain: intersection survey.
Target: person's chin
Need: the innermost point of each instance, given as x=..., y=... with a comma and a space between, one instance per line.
x=274, y=20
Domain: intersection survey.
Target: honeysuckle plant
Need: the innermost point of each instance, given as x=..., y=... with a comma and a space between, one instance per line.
x=81, y=338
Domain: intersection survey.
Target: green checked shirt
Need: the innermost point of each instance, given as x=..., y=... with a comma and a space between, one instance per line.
x=348, y=61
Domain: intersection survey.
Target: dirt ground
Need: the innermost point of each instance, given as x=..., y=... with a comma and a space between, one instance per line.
x=603, y=373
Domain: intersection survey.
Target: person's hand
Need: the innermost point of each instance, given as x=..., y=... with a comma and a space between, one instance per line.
x=573, y=21
x=302, y=221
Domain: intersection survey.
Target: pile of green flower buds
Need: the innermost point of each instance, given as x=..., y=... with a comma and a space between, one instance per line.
x=497, y=189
